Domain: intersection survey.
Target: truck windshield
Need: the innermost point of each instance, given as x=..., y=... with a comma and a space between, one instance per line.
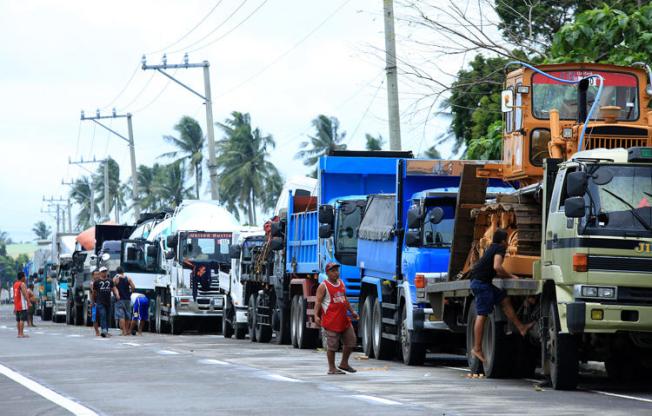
x=206, y=247
x=620, y=89
x=622, y=200
x=441, y=234
x=248, y=247
x=140, y=257
x=347, y=224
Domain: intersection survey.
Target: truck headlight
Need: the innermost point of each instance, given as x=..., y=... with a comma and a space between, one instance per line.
x=606, y=292
x=590, y=291
x=595, y=292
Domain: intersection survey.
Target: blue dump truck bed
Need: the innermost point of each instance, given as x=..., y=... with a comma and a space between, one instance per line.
x=302, y=241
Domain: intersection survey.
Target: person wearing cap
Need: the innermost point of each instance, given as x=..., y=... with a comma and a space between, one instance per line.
x=102, y=289
x=331, y=308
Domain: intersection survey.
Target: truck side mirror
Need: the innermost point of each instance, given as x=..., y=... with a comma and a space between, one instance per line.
x=152, y=251
x=576, y=184
x=507, y=101
x=326, y=214
x=276, y=244
x=325, y=231
x=169, y=255
x=171, y=241
x=574, y=207
x=414, y=217
x=436, y=215
x=412, y=238
x=234, y=252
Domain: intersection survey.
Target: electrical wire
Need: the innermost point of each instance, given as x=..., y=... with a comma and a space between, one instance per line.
x=142, y=90
x=156, y=97
x=131, y=78
x=218, y=27
x=190, y=31
x=228, y=32
x=287, y=52
x=364, y=115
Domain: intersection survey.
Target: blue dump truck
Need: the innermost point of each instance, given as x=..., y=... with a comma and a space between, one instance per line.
x=404, y=237
x=310, y=232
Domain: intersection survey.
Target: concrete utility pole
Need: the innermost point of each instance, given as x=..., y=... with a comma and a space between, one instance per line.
x=105, y=209
x=60, y=204
x=392, y=81
x=70, y=205
x=132, y=150
x=210, y=128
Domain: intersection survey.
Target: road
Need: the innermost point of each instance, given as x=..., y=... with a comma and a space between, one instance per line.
x=63, y=370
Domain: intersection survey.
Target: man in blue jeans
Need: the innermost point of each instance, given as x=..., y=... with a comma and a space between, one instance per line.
x=487, y=295
x=102, y=289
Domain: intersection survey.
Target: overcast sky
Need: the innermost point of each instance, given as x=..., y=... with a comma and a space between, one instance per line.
x=283, y=61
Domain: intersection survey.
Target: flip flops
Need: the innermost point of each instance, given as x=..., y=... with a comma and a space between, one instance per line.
x=335, y=372
x=348, y=369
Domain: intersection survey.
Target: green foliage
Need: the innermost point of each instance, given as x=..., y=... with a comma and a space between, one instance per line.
x=247, y=180
x=375, y=143
x=431, y=153
x=42, y=230
x=80, y=193
x=326, y=139
x=606, y=35
x=169, y=185
x=190, y=145
x=115, y=194
x=487, y=146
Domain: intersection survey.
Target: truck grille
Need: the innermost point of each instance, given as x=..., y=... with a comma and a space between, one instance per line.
x=635, y=295
x=614, y=137
x=214, y=288
x=620, y=264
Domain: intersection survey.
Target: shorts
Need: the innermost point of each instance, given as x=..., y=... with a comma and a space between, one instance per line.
x=486, y=296
x=94, y=313
x=347, y=337
x=122, y=309
x=21, y=316
x=32, y=309
x=141, y=309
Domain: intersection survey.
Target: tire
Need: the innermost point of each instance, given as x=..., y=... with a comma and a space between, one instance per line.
x=176, y=325
x=307, y=338
x=251, y=317
x=562, y=356
x=263, y=330
x=382, y=347
x=240, y=332
x=496, y=346
x=364, y=327
x=158, y=322
x=227, y=327
x=69, y=317
x=283, y=333
x=411, y=352
x=86, y=314
x=79, y=315
x=293, y=322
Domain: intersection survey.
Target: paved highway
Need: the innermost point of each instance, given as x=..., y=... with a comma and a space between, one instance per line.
x=63, y=370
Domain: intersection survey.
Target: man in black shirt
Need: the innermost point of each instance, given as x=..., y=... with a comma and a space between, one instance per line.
x=102, y=289
x=487, y=295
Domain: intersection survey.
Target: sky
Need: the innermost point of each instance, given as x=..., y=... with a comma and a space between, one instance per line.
x=282, y=61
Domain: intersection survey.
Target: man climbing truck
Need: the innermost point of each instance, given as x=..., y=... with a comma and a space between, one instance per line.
x=579, y=228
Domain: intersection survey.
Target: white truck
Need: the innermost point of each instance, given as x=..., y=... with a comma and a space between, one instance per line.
x=235, y=319
x=196, y=243
x=64, y=247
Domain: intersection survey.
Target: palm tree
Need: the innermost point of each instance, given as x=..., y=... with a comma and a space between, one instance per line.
x=169, y=185
x=432, y=153
x=326, y=139
x=375, y=143
x=190, y=144
x=147, y=186
x=81, y=195
x=41, y=230
x=247, y=179
x=116, y=195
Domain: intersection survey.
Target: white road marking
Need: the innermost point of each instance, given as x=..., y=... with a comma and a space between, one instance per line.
x=457, y=368
x=373, y=399
x=622, y=396
x=133, y=344
x=211, y=361
x=39, y=332
x=54, y=333
x=70, y=405
x=74, y=336
x=3, y=326
x=167, y=352
x=276, y=377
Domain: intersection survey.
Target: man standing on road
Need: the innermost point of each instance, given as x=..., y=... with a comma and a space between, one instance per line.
x=140, y=312
x=102, y=289
x=32, y=308
x=96, y=322
x=487, y=295
x=21, y=303
x=125, y=286
x=331, y=298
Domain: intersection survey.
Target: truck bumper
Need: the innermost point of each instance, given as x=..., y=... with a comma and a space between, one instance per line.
x=590, y=317
x=241, y=315
x=209, y=307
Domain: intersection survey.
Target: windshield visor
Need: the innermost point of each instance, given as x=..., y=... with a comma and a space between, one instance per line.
x=206, y=247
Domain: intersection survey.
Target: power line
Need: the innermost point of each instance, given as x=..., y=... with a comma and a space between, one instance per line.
x=137, y=96
x=228, y=32
x=218, y=27
x=156, y=97
x=367, y=110
x=190, y=31
x=287, y=52
x=131, y=78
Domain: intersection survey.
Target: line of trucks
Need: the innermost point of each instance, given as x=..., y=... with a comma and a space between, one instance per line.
x=573, y=191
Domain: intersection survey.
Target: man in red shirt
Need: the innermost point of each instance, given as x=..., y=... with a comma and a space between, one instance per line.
x=21, y=303
x=331, y=298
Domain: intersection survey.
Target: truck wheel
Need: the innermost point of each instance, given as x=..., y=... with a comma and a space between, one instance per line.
x=251, y=317
x=157, y=316
x=364, y=327
x=496, y=346
x=176, y=325
x=263, y=330
x=69, y=320
x=229, y=315
x=283, y=333
x=306, y=337
x=382, y=346
x=293, y=322
x=240, y=331
x=413, y=353
x=561, y=353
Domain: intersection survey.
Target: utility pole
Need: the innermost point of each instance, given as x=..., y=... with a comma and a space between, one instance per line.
x=105, y=210
x=132, y=150
x=60, y=204
x=210, y=128
x=71, y=183
x=392, y=80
